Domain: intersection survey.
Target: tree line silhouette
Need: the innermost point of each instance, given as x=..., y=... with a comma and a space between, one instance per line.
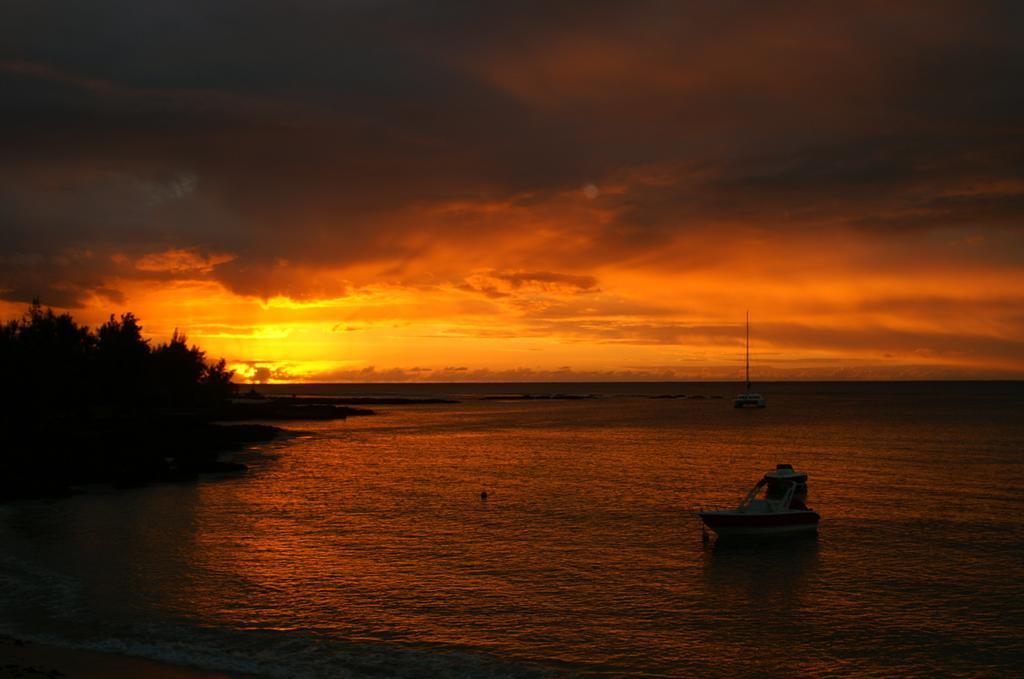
x=81, y=406
x=55, y=368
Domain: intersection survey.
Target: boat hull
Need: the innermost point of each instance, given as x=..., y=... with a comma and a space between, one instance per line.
x=749, y=400
x=740, y=523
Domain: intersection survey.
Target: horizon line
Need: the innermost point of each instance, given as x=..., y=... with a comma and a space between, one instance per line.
x=694, y=381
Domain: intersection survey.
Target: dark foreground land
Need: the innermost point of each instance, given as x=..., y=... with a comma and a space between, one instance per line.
x=104, y=407
x=49, y=457
x=123, y=452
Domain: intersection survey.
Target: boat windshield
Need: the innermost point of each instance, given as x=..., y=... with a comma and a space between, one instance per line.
x=786, y=493
x=776, y=490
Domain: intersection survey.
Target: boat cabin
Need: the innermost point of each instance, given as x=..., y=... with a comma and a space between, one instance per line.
x=778, y=490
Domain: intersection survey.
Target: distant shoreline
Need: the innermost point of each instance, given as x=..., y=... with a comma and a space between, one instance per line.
x=735, y=383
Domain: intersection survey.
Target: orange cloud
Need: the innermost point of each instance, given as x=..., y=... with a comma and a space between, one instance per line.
x=588, y=191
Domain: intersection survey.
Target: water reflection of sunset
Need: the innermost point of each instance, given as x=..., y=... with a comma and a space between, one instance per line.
x=367, y=539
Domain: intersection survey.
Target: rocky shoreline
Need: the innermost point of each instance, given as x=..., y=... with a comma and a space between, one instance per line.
x=286, y=409
x=125, y=454
x=52, y=458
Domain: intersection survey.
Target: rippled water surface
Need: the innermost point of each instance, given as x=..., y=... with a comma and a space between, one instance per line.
x=363, y=547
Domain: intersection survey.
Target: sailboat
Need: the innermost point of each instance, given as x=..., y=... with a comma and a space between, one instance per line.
x=748, y=399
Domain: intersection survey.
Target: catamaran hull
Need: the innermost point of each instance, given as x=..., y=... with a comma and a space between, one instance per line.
x=736, y=523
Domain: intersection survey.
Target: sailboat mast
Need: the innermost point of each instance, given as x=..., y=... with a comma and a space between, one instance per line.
x=748, y=351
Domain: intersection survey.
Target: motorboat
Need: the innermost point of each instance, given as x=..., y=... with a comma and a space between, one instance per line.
x=777, y=504
x=748, y=399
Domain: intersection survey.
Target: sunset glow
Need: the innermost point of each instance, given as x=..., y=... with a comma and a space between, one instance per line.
x=603, y=202
x=561, y=338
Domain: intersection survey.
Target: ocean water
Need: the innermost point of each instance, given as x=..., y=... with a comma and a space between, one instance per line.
x=362, y=547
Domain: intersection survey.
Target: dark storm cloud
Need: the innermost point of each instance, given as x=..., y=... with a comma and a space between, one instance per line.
x=324, y=134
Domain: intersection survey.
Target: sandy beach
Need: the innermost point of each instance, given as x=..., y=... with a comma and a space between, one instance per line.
x=24, y=659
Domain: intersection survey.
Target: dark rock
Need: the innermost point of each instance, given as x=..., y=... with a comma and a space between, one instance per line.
x=291, y=409
x=539, y=397
x=218, y=467
x=359, y=400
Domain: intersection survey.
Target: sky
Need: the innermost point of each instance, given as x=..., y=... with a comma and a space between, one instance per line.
x=410, y=191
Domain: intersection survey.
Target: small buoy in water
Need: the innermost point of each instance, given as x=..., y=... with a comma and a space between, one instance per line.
x=483, y=495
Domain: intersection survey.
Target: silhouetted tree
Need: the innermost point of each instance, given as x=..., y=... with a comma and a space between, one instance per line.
x=46, y=363
x=122, y=357
x=182, y=378
x=53, y=367
x=78, y=406
x=217, y=384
